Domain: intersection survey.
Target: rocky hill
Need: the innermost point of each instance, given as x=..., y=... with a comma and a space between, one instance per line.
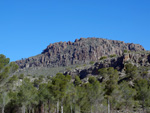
x=83, y=59
x=138, y=59
x=82, y=51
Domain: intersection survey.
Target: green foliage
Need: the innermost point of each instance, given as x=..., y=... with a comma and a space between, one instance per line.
x=103, y=57
x=85, y=64
x=13, y=67
x=80, y=99
x=92, y=80
x=49, y=77
x=131, y=71
x=103, y=72
x=4, y=68
x=4, y=99
x=128, y=94
x=44, y=93
x=27, y=94
x=59, y=85
x=143, y=92
x=109, y=74
x=91, y=62
x=110, y=80
x=83, y=97
x=94, y=94
x=13, y=79
x=21, y=76
x=29, y=75
x=36, y=82
x=60, y=91
x=68, y=69
x=114, y=55
x=3, y=61
x=140, y=59
x=125, y=51
x=77, y=81
x=41, y=78
x=143, y=72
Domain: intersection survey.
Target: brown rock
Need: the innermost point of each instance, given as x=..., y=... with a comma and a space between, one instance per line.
x=126, y=57
x=81, y=51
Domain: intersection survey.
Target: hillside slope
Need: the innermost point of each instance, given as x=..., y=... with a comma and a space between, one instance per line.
x=81, y=51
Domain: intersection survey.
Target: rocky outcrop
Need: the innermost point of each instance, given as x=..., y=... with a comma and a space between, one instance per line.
x=81, y=51
x=137, y=59
x=85, y=71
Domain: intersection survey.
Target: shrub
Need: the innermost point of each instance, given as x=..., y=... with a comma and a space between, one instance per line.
x=49, y=77
x=85, y=64
x=125, y=51
x=41, y=77
x=21, y=76
x=29, y=75
x=103, y=57
x=68, y=68
x=111, y=56
x=92, y=62
x=77, y=66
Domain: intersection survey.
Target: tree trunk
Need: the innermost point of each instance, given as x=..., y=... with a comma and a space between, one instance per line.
x=143, y=106
x=143, y=109
x=79, y=109
x=55, y=110
x=108, y=106
x=61, y=108
x=3, y=108
x=32, y=110
x=74, y=108
x=23, y=109
x=41, y=107
x=71, y=108
x=29, y=109
x=37, y=110
x=49, y=108
x=91, y=109
x=58, y=106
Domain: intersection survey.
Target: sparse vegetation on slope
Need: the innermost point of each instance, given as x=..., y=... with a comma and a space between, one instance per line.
x=107, y=92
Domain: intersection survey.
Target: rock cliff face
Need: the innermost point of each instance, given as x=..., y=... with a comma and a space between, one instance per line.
x=81, y=51
x=137, y=59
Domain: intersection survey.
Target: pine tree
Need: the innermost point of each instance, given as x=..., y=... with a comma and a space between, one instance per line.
x=6, y=70
x=59, y=88
x=27, y=94
x=143, y=93
x=128, y=94
x=94, y=94
x=110, y=81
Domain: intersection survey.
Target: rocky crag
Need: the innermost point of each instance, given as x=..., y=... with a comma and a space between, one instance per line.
x=82, y=51
x=139, y=59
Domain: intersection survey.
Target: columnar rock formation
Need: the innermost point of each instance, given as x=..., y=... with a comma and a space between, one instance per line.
x=81, y=51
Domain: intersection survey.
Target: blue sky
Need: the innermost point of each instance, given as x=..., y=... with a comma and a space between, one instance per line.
x=29, y=26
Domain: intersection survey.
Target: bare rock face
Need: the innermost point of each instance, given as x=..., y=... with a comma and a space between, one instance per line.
x=137, y=59
x=126, y=57
x=81, y=51
x=83, y=72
